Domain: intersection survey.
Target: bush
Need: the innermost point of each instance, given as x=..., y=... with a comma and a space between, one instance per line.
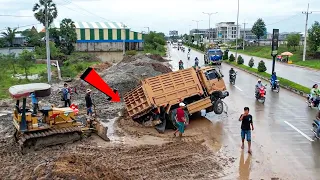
x=251, y=62
x=225, y=55
x=231, y=58
x=131, y=53
x=240, y=60
x=262, y=67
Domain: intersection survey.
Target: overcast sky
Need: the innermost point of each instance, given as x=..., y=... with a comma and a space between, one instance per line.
x=165, y=15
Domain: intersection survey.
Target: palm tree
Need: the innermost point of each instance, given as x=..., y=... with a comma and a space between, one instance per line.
x=9, y=35
x=40, y=11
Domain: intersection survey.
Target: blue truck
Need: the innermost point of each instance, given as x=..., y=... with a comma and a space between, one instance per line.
x=213, y=56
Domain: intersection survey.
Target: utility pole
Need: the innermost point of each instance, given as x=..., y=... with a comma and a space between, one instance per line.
x=305, y=34
x=209, y=14
x=197, y=21
x=237, y=33
x=244, y=34
x=148, y=29
x=47, y=42
x=124, y=40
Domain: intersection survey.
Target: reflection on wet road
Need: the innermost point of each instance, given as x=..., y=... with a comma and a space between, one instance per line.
x=303, y=76
x=282, y=139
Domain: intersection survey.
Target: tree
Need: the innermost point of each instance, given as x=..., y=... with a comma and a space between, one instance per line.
x=11, y=60
x=251, y=62
x=33, y=37
x=225, y=55
x=240, y=60
x=258, y=29
x=54, y=35
x=293, y=40
x=26, y=61
x=314, y=36
x=69, y=35
x=262, y=66
x=9, y=35
x=40, y=11
x=231, y=58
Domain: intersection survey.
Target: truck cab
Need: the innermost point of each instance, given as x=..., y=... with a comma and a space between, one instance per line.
x=212, y=80
x=213, y=56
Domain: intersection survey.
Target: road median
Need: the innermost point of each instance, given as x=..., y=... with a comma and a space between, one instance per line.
x=284, y=83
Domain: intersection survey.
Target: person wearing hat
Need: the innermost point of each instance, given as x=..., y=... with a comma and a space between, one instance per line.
x=89, y=103
x=258, y=86
x=180, y=118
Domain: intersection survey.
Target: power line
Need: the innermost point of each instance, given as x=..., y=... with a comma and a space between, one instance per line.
x=22, y=26
x=283, y=19
x=7, y=15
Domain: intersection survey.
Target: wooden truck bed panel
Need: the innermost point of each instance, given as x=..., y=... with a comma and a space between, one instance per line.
x=163, y=89
x=136, y=101
x=199, y=105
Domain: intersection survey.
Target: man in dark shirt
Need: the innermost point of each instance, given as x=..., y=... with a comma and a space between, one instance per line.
x=89, y=102
x=246, y=120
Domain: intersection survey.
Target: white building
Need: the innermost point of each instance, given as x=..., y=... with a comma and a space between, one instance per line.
x=227, y=31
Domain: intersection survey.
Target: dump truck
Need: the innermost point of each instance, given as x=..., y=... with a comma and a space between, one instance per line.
x=158, y=97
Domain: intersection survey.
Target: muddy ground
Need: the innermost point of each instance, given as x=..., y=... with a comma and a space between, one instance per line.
x=135, y=151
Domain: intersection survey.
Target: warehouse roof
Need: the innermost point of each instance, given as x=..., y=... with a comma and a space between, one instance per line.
x=94, y=25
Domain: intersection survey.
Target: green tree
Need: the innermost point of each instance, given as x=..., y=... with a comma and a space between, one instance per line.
x=55, y=34
x=251, y=62
x=231, y=58
x=154, y=42
x=26, y=61
x=262, y=66
x=314, y=36
x=40, y=11
x=258, y=29
x=293, y=40
x=225, y=55
x=11, y=60
x=33, y=37
x=69, y=36
x=2, y=42
x=9, y=35
x=240, y=60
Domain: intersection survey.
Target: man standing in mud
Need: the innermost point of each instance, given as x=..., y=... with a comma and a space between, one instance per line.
x=180, y=118
x=246, y=120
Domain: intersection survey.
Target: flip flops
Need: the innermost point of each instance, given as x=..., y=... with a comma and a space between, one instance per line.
x=250, y=152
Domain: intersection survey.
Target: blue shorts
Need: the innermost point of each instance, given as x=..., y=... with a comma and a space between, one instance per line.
x=245, y=133
x=89, y=110
x=180, y=126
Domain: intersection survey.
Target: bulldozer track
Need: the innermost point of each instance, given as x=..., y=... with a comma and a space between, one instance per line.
x=22, y=139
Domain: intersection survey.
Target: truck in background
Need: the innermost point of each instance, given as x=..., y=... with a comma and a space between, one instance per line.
x=159, y=96
x=179, y=42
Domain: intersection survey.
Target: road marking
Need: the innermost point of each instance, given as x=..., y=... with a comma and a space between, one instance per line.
x=303, y=134
x=237, y=87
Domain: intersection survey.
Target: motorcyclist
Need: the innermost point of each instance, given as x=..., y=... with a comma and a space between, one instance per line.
x=318, y=119
x=188, y=56
x=258, y=86
x=273, y=79
x=189, y=50
x=196, y=61
x=231, y=71
x=180, y=64
x=314, y=95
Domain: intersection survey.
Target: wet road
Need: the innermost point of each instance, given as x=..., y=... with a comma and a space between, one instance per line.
x=282, y=140
x=304, y=76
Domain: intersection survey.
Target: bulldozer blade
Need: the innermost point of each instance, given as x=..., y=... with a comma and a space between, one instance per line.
x=101, y=131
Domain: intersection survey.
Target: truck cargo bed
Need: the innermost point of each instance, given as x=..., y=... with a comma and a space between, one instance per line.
x=161, y=90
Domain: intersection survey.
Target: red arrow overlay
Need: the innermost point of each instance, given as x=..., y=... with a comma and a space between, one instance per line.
x=93, y=78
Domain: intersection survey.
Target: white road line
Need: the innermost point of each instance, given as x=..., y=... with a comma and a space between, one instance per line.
x=237, y=87
x=303, y=134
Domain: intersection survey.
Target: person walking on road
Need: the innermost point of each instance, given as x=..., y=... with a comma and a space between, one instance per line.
x=246, y=121
x=180, y=118
x=89, y=103
x=66, y=91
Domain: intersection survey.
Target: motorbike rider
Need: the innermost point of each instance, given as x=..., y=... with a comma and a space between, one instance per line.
x=258, y=86
x=314, y=95
x=188, y=56
x=231, y=71
x=189, y=50
x=196, y=61
x=318, y=119
x=273, y=79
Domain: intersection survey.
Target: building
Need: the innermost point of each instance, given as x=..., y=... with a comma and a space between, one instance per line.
x=204, y=32
x=227, y=31
x=247, y=34
x=105, y=36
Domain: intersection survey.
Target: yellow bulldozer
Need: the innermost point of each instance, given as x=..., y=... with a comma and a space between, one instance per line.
x=51, y=125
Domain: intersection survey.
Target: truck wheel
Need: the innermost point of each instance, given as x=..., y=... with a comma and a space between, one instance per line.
x=218, y=107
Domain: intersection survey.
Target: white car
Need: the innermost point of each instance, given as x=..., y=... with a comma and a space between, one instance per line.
x=175, y=45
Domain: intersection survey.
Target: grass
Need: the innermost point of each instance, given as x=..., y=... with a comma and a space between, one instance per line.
x=36, y=69
x=154, y=51
x=283, y=81
x=265, y=52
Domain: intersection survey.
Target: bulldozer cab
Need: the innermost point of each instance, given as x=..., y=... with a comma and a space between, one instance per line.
x=212, y=79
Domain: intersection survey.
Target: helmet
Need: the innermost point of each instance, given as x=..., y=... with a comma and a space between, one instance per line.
x=231, y=68
x=259, y=80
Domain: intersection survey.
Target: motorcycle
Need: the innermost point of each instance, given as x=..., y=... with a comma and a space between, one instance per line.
x=314, y=129
x=232, y=78
x=188, y=57
x=276, y=86
x=261, y=94
x=196, y=63
x=313, y=103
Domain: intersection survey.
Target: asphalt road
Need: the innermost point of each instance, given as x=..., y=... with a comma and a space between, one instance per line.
x=283, y=144
x=304, y=76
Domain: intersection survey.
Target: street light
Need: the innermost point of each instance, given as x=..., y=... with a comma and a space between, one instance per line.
x=148, y=29
x=197, y=21
x=237, y=32
x=209, y=14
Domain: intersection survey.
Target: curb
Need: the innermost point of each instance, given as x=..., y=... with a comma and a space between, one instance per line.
x=266, y=79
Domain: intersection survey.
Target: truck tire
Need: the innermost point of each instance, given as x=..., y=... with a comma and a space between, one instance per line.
x=218, y=107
